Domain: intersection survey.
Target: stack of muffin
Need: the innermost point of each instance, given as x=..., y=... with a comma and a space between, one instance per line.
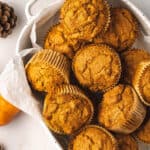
x=96, y=40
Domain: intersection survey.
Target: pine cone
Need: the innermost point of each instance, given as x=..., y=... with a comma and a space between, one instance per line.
x=1, y=147
x=7, y=19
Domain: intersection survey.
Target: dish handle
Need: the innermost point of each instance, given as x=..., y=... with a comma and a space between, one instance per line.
x=28, y=9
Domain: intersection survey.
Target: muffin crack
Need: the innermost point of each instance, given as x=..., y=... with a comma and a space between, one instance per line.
x=121, y=93
x=61, y=111
x=89, y=138
x=88, y=68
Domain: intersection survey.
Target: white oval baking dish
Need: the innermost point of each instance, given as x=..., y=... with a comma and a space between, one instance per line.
x=25, y=42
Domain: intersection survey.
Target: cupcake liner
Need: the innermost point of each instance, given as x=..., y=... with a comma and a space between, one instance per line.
x=108, y=15
x=142, y=128
x=138, y=77
x=115, y=54
x=113, y=139
x=136, y=50
x=134, y=139
x=138, y=139
x=72, y=90
x=55, y=59
x=141, y=140
x=135, y=119
x=128, y=78
x=125, y=137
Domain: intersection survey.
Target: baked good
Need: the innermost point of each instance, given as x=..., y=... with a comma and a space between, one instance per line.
x=122, y=31
x=126, y=142
x=97, y=67
x=130, y=61
x=93, y=137
x=47, y=69
x=84, y=19
x=57, y=40
x=67, y=109
x=121, y=110
x=141, y=81
x=143, y=132
x=7, y=111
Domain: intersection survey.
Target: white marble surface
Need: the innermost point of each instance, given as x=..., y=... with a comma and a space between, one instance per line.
x=7, y=46
x=24, y=133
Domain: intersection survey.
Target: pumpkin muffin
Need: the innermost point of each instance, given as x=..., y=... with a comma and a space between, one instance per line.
x=141, y=81
x=58, y=41
x=7, y=111
x=126, y=142
x=84, y=19
x=130, y=61
x=47, y=69
x=143, y=133
x=121, y=110
x=97, y=67
x=122, y=32
x=93, y=137
x=67, y=109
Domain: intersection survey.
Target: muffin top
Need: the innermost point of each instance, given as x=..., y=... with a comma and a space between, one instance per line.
x=84, y=19
x=117, y=106
x=143, y=132
x=97, y=67
x=130, y=61
x=57, y=40
x=67, y=110
x=126, y=142
x=122, y=32
x=47, y=69
x=93, y=138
